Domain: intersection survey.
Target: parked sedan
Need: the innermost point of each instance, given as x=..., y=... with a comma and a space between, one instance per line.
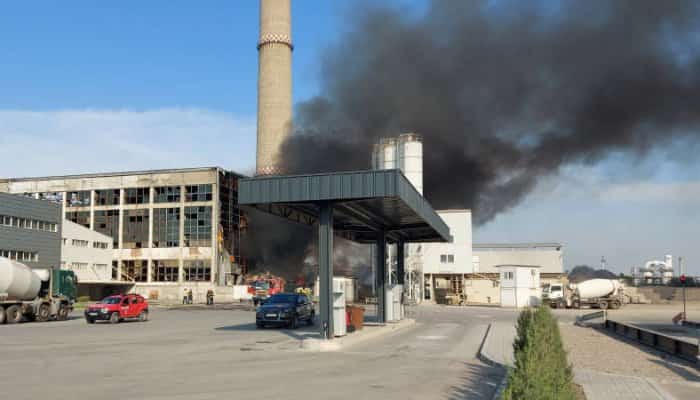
x=285, y=309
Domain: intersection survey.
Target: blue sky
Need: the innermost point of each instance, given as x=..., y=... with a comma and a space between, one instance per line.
x=90, y=86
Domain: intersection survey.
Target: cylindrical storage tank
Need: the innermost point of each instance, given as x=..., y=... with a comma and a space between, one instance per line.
x=387, y=158
x=596, y=288
x=376, y=156
x=18, y=280
x=410, y=153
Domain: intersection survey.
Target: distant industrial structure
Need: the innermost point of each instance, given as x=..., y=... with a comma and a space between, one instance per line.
x=165, y=229
x=654, y=272
x=274, y=83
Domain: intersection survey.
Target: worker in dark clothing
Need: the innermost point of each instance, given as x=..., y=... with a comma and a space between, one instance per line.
x=210, y=297
x=189, y=296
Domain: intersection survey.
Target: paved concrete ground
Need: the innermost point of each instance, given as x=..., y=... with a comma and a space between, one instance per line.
x=213, y=354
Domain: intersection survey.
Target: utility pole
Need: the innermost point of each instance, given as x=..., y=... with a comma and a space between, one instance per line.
x=683, y=279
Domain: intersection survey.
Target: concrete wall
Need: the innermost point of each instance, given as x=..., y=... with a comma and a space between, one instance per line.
x=46, y=244
x=460, y=223
x=549, y=259
x=482, y=291
x=90, y=263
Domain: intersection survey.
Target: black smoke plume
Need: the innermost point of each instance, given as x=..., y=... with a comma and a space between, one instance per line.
x=504, y=92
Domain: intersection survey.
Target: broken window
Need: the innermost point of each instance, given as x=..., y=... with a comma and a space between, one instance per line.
x=198, y=226
x=79, y=217
x=109, y=197
x=135, y=229
x=197, y=270
x=198, y=193
x=115, y=270
x=107, y=222
x=166, y=227
x=165, y=271
x=54, y=197
x=137, y=195
x=135, y=270
x=81, y=198
x=167, y=194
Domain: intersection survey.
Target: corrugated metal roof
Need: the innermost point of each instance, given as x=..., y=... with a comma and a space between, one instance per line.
x=365, y=201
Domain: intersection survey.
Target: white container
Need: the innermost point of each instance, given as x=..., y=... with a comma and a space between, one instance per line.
x=339, y=327
x=18, y=281
x=389, y=304
x=597, y=288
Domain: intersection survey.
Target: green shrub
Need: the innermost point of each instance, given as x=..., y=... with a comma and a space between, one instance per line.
x=541, y=369
x=83, y=299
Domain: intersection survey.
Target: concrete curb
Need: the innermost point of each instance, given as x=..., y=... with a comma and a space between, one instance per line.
x=354, y=338
x=488, y=359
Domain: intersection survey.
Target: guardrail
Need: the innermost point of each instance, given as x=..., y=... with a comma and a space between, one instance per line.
x=594, y=315
x=667, y=344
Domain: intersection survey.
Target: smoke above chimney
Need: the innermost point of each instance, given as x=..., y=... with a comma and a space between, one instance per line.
x=504, y=93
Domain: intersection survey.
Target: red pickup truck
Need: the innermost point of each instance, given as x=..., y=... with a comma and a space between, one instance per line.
x=118, y=308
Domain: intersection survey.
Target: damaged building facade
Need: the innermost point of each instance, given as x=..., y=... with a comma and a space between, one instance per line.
x=170, y=229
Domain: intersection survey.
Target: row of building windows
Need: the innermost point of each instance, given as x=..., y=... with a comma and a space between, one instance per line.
x=164, y=270
x=85, y=243
x=447, y=258
x=138, y=195
x=28, y=223
x=19, y=255
x=166, y=226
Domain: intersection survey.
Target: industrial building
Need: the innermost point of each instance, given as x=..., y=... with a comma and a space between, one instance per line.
x=30, y=231
x=458, y=272
x=167, y=228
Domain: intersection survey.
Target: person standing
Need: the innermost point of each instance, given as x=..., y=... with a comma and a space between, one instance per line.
x=189, y=297
x=185, y=295
x=210, y=297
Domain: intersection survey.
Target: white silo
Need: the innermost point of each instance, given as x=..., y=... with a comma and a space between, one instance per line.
x=667, y=269
x=410, y=154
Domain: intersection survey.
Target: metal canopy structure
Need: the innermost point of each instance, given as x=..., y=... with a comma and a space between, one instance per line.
x=377, y=206
x=364, y=203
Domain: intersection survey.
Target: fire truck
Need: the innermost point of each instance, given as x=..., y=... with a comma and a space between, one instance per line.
x=262, y=287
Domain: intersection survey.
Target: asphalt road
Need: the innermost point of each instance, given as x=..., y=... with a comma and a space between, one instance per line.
x=215, y=354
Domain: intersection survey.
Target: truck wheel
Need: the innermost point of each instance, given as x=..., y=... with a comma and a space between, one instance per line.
x=13, y=315
x=143, y=317
x=603, y=305
x=576, y=304
x=114, y=318
x=43, y=313
x=2, y=315
x=615, y=305
x=62, y=314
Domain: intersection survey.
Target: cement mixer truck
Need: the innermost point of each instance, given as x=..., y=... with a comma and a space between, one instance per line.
x=34, y=294
x=595, y=293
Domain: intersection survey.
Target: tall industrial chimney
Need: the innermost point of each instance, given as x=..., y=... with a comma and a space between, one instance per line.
x=274, y=83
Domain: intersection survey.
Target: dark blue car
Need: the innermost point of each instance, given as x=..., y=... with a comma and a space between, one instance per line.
x=285, y=309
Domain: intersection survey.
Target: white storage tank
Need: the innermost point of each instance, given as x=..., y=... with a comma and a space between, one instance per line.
x=410, y=154
x=18, y=280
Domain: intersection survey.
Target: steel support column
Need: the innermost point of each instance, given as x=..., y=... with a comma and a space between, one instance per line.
x=325, y=264
x=380, y=277
x=400, y=263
